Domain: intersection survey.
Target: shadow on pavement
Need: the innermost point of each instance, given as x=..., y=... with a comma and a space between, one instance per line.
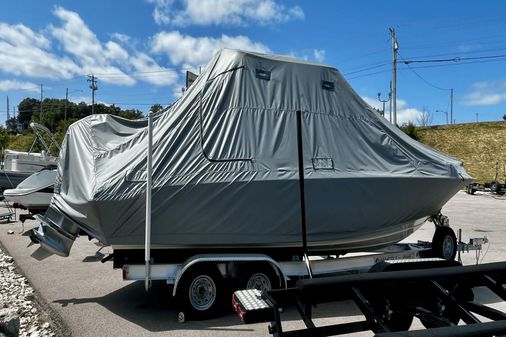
x=157, y=311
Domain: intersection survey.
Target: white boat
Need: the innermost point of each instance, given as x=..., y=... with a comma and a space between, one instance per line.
x=34, y=193
x=19, y=165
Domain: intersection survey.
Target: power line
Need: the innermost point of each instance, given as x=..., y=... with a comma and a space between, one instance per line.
x=367, y=68
x=438, y=65
x=420, y=76
x=456, y=59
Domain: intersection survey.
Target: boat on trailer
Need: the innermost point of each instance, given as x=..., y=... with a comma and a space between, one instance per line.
x=256, y=140
x=19, y=165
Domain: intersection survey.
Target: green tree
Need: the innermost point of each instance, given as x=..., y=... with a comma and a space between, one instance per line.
x=27, y=108
x=156, y=108
x=11, y=124
x=410, y=130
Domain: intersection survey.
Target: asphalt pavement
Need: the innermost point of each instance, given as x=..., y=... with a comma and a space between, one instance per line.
x=91, y=298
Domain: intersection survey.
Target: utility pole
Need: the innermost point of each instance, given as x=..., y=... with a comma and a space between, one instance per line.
x=390, y=102
x=8, y=115
x=93, y=86
x=40, y=105
x=451, y=107
x=395, y=47
x=66, y=101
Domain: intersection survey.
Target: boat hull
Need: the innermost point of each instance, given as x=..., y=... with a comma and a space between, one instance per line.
x=11, y=179
x=267, y=214
x=34, y=193
x=36, y=202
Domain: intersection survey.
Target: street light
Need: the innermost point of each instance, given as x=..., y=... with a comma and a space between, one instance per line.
x=384, y=101
x=446, y=113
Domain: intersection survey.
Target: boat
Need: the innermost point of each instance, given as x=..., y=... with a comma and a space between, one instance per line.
x=229, y=161
x=19, y=165
x=34, y=193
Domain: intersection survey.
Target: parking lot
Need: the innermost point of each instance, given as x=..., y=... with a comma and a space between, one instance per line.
x=92, y=300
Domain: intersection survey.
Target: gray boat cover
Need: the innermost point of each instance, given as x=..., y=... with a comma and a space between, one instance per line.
x=225, y=164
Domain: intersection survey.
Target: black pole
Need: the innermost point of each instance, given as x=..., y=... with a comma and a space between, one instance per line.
x=301, y=181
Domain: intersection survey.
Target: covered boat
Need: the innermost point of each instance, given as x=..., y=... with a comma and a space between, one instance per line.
x=226, y=167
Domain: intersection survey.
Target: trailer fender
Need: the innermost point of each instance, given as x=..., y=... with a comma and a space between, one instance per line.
x=197, y=259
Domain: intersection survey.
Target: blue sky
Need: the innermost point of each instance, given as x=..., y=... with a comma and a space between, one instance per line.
x=139, y=50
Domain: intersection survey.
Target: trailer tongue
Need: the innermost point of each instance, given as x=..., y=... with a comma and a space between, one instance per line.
x=439, y=295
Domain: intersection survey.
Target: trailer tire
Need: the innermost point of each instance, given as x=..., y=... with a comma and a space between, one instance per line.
x=394, y=319
x=200, y=292
x=494, y=186
x=444, y=243
x=258, y=276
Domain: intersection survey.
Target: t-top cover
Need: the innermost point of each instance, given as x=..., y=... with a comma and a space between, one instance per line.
x=225, y=164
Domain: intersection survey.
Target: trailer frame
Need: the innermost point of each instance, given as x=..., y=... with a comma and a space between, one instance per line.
x=437, y=294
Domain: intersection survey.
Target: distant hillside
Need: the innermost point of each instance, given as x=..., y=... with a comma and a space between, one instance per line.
x=479, y=145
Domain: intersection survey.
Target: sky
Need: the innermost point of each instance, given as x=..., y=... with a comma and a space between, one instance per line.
x=140, y=50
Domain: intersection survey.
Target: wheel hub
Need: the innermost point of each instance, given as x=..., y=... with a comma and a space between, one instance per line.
x=259, y=281
x=202, y=292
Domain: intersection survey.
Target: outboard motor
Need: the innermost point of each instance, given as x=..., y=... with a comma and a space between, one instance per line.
x=56, y=232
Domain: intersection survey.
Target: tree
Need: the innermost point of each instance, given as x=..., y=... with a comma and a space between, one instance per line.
x=53, y=112
x=26, y=109
x=11, y=124
x=425, y=117
x=156, y=108
x=504, y=117
x=410, y=130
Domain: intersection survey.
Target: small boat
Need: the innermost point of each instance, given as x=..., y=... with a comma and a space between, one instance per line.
x=34, y=193
x=229, y=162
x=19, y=165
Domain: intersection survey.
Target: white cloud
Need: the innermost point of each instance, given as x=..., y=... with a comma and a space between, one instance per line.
x=7, y=85
x=114, y=51
x=149, y=71
x=216, y=12
x=185, y=49
x=486, y=93
x=94, y=57
x=405, y=114
x=121, y=37
x=24, y=52
x=319, y=55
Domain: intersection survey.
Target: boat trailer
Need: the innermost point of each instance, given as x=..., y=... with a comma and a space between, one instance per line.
x=437, y=292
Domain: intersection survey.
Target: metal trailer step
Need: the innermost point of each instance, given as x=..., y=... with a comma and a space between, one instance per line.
x=251, y=307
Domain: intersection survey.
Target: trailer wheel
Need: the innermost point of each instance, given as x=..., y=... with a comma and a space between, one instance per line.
x=200, y=293
x=261, y=277
x=444, y=243
x=494, y=186
x=394, y=319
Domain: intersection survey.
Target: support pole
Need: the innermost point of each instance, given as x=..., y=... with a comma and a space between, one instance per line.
x=147, y=244
x=301, y=189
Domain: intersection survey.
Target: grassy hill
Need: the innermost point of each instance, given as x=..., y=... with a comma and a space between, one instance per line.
x=479, y=145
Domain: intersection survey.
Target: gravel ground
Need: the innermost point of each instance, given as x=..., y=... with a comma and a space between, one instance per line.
x=21, y=313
